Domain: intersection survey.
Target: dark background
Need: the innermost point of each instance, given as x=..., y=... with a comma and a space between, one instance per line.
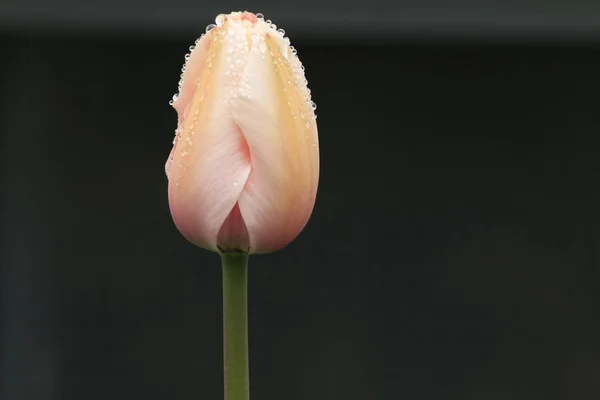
x=454, y=248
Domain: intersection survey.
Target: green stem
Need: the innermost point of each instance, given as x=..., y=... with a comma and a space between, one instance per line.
x=235, y=326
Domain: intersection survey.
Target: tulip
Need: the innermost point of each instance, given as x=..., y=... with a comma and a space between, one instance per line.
x=244, y=168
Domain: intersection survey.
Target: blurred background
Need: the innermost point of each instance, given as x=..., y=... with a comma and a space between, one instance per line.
x=454, y=250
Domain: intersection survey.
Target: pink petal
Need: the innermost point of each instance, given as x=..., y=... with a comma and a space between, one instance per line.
x=183, y=100
x=233, y=235
x=275, y=115
x=211, y=161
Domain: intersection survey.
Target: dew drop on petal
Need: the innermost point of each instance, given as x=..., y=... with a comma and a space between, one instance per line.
x=260, y=17
x=168, y=167
x=220, y=20
x=210, y=27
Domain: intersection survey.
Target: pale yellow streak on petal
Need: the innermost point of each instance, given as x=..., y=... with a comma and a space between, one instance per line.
x=300, y=140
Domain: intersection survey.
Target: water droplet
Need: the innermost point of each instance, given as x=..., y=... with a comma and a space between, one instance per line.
x=281, y=31
x=313, y=105
x=187, y=57
x=260, y=17
x=220, y=20
x=210, y=27
x=269, y=22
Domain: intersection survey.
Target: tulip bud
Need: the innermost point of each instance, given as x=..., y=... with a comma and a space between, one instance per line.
x=244, y=168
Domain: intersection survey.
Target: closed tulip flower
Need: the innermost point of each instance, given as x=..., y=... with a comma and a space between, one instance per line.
x=244, y=168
